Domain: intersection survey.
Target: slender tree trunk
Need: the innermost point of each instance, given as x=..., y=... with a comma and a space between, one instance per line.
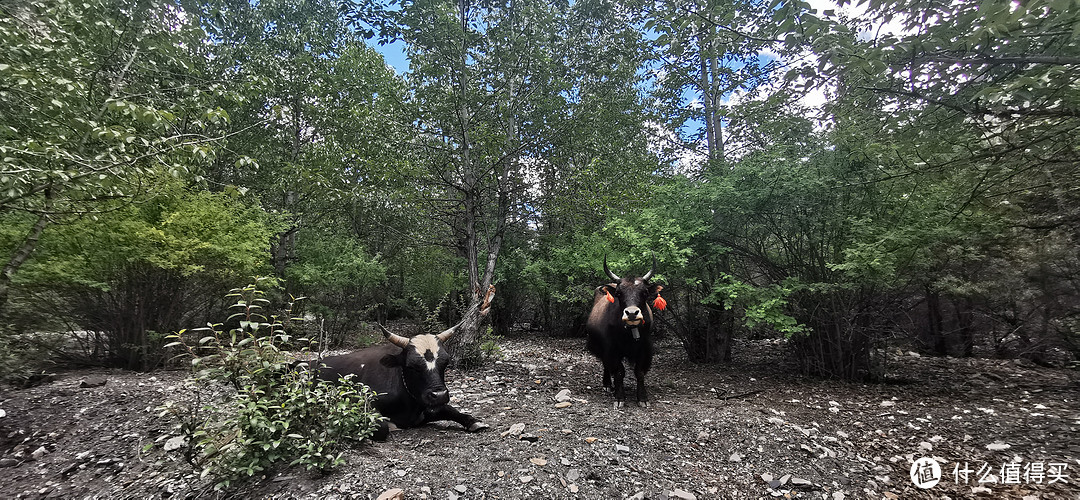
x=965, y=323
x=25, y=249
x=933, y=313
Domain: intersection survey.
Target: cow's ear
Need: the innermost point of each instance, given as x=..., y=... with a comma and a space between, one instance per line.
x=654, y=290
x=606, y=291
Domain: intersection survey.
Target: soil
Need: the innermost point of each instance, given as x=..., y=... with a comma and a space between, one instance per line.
x=751, y=429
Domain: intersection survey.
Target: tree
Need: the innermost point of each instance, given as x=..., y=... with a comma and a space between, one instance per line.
x=144, y=268
x=491, y=83
x=97, y=97
x=317, y=135
x=711, y=51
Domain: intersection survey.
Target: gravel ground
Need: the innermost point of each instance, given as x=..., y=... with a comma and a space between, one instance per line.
x=750, y=429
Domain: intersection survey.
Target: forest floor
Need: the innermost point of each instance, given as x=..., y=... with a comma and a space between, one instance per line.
x=752, y=429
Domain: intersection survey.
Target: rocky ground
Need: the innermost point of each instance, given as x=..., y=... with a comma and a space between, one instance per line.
x=997, y=429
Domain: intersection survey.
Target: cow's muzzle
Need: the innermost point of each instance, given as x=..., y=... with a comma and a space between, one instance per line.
x=631, y=316
x=437, y=397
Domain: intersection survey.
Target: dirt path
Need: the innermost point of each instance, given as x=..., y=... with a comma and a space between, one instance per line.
x=750, y=430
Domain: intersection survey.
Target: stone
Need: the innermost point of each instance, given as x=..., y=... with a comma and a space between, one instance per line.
x=532, y=438
x=525, y=479
x=538, y=461
x=392, y=494
x=8, y=462
x=784, y=479
x=89, y=382
x=622, y=449
x=735, y=457
x=801, y=483
x=573, y=474
x=766, y=477
x=702, y=437
x=175, y=443
x=683, y=495
x=461, y=488
x=573, y=488
x=637, y=496
x=838, y=495
x=563, y=396
x=38, y=453
x=591, y=440
x=888, y=403
x=564, y=404
x=998, y=446
x=515, y=429
x=774, y=484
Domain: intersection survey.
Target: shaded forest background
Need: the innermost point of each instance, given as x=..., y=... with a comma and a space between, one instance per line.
x=155, y=154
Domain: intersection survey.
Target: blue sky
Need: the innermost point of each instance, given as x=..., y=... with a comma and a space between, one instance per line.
x=394, y=53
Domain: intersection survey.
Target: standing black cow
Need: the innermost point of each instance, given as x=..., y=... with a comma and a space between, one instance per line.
x=618, y=327
x=408, y=376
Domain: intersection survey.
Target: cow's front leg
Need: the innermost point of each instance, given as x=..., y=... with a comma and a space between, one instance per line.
x=447, y=412
x=617, y=373
x=642, y=396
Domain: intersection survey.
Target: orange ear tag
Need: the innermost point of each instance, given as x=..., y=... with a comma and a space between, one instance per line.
x=609, y=297
x=659, y=303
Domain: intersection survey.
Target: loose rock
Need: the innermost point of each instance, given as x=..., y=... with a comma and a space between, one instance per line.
x=392, y=494
x=515, y=429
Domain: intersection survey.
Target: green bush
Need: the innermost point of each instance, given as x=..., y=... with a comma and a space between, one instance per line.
x=278, y=415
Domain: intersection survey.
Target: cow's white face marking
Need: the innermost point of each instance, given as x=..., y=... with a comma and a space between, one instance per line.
x=425, y=344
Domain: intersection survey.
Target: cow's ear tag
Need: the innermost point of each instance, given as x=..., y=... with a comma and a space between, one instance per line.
x=659, y=303
x=609, y=297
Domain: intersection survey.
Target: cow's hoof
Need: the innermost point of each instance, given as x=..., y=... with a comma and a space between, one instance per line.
x=478, y=426
x=619, y=404
x=643, y=404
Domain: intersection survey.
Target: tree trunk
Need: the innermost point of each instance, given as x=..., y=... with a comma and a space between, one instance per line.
x=933, y=316
x=25, y=249
x=965, y=323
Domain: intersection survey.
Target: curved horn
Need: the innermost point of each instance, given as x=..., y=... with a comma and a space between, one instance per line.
x=447, y=333
x=394, y=338
x=608, y=271
x=651, y=270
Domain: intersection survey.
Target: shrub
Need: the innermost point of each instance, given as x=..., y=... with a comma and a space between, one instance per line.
x=278, y=415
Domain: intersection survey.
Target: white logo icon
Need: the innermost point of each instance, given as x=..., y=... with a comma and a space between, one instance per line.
x=925, y=473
